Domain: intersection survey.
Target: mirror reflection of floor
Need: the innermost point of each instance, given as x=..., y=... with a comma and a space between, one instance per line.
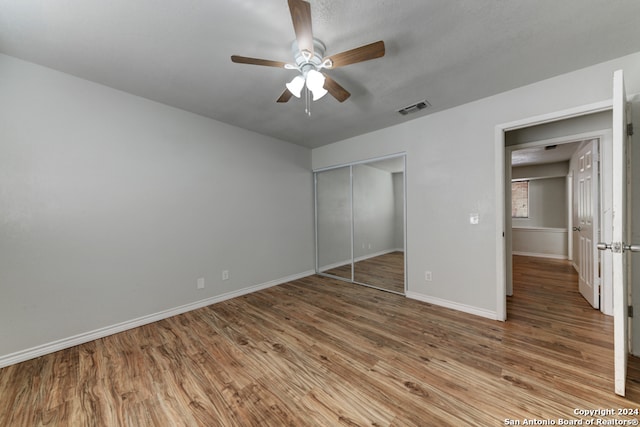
x=384, y=271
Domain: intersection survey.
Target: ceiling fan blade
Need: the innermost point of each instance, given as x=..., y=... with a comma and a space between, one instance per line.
x=337, y=91
x=301, y=17
x=255, y=61
x=286, y=96
x=359, y=54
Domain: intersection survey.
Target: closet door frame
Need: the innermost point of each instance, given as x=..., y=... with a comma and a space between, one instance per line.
x=350, y=165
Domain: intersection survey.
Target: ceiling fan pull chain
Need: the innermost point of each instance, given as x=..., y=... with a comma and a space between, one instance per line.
x=307, y=101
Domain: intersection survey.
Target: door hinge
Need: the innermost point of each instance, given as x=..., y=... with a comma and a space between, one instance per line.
x=629, y=129
x=630, y=311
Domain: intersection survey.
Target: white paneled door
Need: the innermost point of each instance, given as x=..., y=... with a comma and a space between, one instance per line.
x=620, y=234
x=587, y=208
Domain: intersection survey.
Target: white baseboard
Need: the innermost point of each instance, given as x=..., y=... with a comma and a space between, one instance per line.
x=537, y=255
x=453, y=305
x=375, y=254
x=575, y=266
x=361, y=258
x=41, y=350
x=334, y=265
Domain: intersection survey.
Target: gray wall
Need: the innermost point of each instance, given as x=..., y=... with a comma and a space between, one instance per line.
x=112, y=206
x=373, y=211
x=547, y=204
x=547, y=194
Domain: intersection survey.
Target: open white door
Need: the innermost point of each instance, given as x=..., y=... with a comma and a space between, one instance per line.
x=587, y=208
x=618, y=246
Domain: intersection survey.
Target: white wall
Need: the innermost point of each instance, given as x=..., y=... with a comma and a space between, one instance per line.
x=451, y=173
x=112, y=206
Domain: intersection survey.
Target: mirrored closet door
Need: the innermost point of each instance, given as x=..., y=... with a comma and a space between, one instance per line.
x=333, y=223
x=360, y=223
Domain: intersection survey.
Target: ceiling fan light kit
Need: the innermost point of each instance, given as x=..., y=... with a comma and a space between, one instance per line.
x=309, y=60
x=308, y=64
x=315, y=83
x=295, y=86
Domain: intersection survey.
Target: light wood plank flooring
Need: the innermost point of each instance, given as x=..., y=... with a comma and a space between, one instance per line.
x=322, y=352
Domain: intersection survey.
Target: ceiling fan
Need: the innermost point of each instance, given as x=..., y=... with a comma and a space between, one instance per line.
x=308, y=53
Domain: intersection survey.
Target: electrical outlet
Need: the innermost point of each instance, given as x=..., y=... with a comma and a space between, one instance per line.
x=427, y=276
x=225, y=274
x=200, y=284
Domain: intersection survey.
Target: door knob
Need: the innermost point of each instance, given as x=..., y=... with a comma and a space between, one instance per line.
x=618, y=247
x=577, y=228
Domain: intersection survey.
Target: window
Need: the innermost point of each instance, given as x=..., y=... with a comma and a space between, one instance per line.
x=520, y=199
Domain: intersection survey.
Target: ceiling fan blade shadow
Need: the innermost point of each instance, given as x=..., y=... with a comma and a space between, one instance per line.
x=286, y=96
x=256, y=61
x=359, y=54
x=337, y=91
x=301, y=17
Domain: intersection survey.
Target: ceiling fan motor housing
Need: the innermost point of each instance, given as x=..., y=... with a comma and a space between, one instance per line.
x=303, y=61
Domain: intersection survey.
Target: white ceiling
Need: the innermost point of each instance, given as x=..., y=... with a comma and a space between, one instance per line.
x=541, y=155
x=449, y=52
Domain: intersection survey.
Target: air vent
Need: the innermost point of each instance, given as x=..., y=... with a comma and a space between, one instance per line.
x=414, y=108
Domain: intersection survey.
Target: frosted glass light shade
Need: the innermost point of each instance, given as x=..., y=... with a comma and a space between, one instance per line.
x=315, y=83
x=295, y=86
x=318, y=93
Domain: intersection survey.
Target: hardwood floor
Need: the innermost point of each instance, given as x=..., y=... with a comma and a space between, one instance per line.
x=384, y=272
x=323, y=352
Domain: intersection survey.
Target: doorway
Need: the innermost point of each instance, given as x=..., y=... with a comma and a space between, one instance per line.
x=569, y=206
x=618, y=173
x=582, y=122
